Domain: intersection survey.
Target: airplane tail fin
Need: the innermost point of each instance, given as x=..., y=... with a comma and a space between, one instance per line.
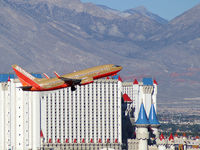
x=25, y=78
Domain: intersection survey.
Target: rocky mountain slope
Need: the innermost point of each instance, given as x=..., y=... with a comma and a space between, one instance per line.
x=48, y=35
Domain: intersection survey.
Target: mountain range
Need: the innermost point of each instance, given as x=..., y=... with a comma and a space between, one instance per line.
x=68, y=35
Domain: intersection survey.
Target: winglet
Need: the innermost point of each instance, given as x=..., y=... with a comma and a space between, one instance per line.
x=57, y=75
x=46, y=75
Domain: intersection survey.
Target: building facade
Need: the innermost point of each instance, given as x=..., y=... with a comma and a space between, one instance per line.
x=141, y=92
x=19, y=117
x=88, y=117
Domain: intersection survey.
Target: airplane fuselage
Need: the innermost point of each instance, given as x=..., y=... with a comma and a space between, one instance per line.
x=85, y=76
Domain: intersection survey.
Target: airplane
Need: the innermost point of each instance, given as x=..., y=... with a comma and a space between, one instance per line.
x=82, y=77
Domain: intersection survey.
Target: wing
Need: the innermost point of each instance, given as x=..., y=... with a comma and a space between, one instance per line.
x=71, y=81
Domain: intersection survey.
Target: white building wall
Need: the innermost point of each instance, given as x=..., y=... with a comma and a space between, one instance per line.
x=7, y=118
x=119, y=117
x=92, y=112
x=62, y=110
x=44, y=104
x=136, y=99
x=19, y=126
x=35, y=98
x=48, y=121
x=140, y=93
x=26, y=119
x=30, y=132
x=3, y=99
x=129, y=89
x=154, y=96
x=141, y=98
x=2, y=137
x=19, y=119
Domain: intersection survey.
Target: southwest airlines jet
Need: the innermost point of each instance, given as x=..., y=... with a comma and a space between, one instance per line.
x=82, y=77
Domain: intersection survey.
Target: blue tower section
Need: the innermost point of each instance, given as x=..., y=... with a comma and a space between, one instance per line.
x=115, y=77
x=147, y=81
x=152, y=116
x=142, y=117
x=4, y=77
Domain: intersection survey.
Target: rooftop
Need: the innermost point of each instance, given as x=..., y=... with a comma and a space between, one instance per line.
x=147, y=81
x=153, y=117
x=126, y=98
x=142, y=117
x=135, y=81
x=4, y=77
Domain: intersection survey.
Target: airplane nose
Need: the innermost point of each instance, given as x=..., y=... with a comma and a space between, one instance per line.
x=120, y=67
x=117, y=66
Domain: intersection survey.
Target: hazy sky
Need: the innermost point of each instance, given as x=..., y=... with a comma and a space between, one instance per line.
x=167, y=9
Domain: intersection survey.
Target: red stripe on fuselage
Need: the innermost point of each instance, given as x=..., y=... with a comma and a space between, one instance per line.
x=106, y=74
x=87, y=83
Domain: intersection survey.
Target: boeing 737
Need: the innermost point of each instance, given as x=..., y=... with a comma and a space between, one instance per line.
x=82, y=77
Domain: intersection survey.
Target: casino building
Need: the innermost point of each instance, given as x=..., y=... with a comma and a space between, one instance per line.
x=89, y=118
x=19, y=115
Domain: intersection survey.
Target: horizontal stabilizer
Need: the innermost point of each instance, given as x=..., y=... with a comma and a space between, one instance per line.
x=71, y=81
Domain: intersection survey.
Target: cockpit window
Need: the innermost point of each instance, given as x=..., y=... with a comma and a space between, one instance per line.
x=116, y=66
